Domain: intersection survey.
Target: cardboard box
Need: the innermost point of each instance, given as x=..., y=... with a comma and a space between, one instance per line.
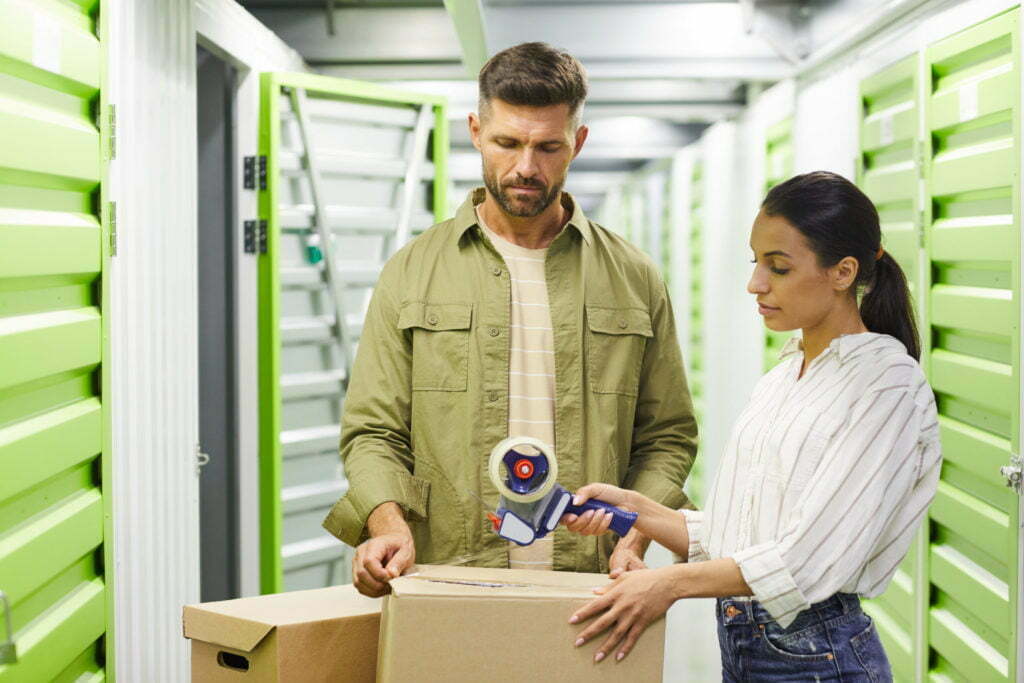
x=458, y=624
x=329, y=634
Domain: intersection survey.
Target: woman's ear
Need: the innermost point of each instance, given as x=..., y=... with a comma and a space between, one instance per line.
x=844, y=274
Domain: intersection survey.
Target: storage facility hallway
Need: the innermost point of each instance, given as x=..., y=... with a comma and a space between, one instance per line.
x=262, y=316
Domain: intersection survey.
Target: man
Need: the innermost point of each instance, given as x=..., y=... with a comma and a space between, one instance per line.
x=517, y=317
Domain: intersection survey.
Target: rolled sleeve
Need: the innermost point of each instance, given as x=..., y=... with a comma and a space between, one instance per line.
x=347, y=519
x=771, y=582
x=694, y=520
x=376, y=425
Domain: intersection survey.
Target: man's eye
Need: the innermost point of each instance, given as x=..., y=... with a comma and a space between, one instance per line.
x=507, y=144
x=551, y=148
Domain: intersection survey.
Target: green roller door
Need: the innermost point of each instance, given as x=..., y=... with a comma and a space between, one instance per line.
x=54, y=517
x=667, y=229
x=778, y=168
x=974, y=348
x=890, y=174
x=694, y=355
x=352, y=171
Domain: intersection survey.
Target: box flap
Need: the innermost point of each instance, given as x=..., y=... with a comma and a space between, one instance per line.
x=222, y=629
x=473, y=582
x=241, y=624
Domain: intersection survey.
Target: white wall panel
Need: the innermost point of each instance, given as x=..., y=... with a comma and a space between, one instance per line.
x=732, y=329
x=151, y=82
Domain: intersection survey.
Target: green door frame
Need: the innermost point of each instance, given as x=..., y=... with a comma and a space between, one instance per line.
x=271, y=570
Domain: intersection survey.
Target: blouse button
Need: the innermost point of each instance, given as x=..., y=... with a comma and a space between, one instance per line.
x=432, y=320
x=493, y=332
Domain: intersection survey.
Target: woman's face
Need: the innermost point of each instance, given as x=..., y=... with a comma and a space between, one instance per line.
x=793, y=291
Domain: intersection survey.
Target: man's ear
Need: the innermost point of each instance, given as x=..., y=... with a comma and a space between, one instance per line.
x=474, y=129
x=844, y=273
x=581, y=137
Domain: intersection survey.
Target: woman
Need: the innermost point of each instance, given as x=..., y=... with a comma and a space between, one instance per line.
x=828, y=471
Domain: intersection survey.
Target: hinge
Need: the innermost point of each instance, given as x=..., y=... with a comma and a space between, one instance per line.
x=263, y=172
x=250, y=237
x=249, y=173
x=263, y=236
x=112, y=224
x=111, y=132
x=8, y=648
x=1014, y=474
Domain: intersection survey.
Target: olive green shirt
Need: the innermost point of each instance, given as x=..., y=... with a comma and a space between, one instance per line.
x=429, y=394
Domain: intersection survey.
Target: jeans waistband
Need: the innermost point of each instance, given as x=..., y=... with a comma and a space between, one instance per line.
x=733, y=612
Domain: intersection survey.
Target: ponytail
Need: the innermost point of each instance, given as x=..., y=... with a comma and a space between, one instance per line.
x=886, y=307
x=839, y=220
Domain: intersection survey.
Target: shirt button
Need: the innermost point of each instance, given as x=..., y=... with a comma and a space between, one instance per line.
x=497, y=271
x=432, y=320
x=494, y=332
x=493, y=396
x=622, y=323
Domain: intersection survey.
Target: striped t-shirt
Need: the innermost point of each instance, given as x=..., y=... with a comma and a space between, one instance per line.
x=826, y=477
x=531, y=377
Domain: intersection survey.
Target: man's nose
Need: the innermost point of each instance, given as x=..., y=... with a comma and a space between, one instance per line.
x=526, y=165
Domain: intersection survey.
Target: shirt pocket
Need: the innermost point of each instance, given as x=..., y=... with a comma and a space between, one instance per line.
x=617, y=339
x=440, y=344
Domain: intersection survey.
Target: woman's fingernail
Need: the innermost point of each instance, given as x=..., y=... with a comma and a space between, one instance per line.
x=599, y=656
x=576, y=500
x=579, y=641
x=573, y=619
x=618, y=657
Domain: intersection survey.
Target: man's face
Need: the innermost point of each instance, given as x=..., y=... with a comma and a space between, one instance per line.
x=526, y=152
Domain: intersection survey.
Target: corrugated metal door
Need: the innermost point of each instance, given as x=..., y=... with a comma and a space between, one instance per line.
x=778, y=168
x=52, y=420
x=890, y=174
x=974, y=308
x=351, y=173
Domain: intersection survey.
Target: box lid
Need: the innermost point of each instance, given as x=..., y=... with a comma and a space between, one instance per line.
x=495, y=584
x=242, y=624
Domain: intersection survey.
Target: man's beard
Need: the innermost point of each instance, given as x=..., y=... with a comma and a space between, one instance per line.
x=525, y=207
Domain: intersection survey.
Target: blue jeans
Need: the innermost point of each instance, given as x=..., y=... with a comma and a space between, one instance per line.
x=832, y=640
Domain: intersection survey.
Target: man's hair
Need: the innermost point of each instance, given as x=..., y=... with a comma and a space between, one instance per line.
x=533, y=75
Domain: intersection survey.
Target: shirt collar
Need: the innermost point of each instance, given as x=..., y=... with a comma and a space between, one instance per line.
x=466, y=219
x=845, y=347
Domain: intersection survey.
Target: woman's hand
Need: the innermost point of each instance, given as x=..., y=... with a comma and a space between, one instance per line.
x=627, y=606
x=595, y=522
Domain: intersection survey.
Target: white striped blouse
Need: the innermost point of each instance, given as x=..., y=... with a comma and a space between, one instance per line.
x=826, y=477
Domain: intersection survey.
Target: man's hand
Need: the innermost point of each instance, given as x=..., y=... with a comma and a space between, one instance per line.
x=628, y=554
x=388, y=553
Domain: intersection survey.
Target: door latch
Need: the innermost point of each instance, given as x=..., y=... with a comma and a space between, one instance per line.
x=1014, y=473
x=8, y=650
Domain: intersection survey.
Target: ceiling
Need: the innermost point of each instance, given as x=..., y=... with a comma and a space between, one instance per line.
x=660, y=72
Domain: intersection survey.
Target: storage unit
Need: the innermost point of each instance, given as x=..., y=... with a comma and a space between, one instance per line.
x=695, y=343
x=778, y=168
x=890, y=173
x=946, y=182
x=351, y=171
x=54, y=436
x=973, y=346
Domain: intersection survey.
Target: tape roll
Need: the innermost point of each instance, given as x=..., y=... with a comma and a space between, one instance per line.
x=494, y=467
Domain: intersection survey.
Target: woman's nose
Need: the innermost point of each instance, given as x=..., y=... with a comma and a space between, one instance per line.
x=758, y=283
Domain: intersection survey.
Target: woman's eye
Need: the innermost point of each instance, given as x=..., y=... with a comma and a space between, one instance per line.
x=780, y=271
x=754, y=261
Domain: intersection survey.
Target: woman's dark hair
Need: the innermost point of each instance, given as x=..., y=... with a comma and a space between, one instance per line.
x=838, y=220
